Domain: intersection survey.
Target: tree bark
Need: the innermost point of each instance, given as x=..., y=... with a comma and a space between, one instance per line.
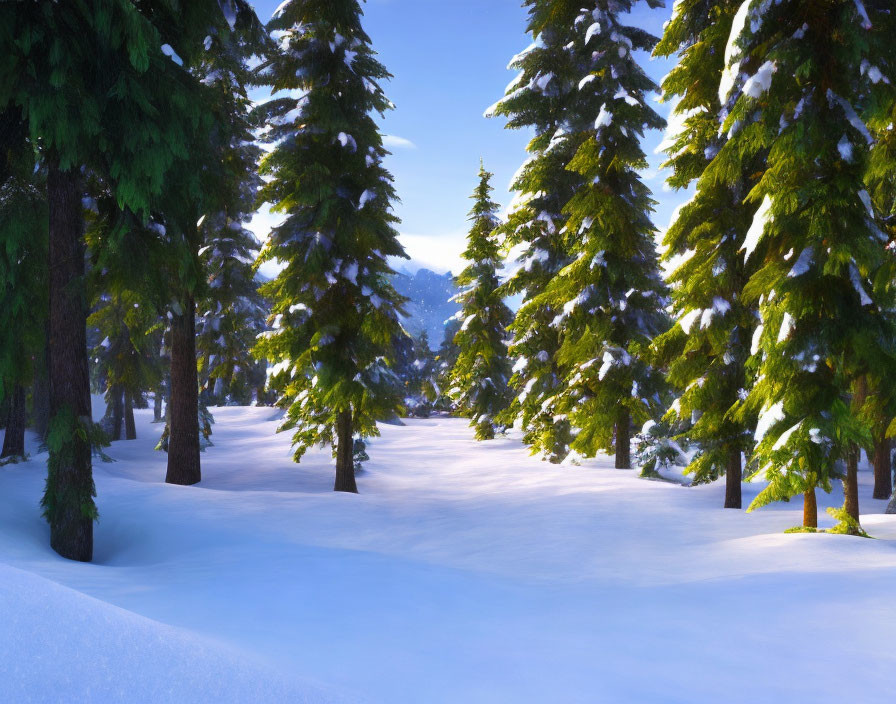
x=183, y=416
x=40, y=391
x=117, y=413
x=623, y=440
x=130, y=428
x=345, y=461
x=733, y=479
x=157, y=406
x=14, y=439
x=883, y=468
x=70, y=481
x=810, y=509
x=851, y=484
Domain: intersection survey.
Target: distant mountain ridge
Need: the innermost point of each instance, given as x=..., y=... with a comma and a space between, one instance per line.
x=429, y=305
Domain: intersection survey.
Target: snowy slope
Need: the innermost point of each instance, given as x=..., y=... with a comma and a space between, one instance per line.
x=463, y=572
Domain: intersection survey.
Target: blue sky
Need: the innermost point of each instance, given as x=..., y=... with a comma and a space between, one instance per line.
x=449, y=62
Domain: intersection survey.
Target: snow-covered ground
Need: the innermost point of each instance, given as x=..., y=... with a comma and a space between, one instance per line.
x=463, y=572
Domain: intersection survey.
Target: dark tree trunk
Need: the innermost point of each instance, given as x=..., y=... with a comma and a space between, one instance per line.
x=157, y=406
x=345, y=460
x=183, y=412
x=851, y=484
x=733, y=479
x=40, y=392
x=883, y=468
x=70, y=480
x=130, y=428
x=810, y=510
x=117, y=413
x=623, y=440
x=14, y=439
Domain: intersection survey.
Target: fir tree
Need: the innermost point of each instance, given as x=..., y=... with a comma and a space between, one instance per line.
x=335, y=310
x=232, y=313
x=707, y=350
x=125, y=360
x=797, y=75
x=610, y=298
x=23, y=273
x=541, y=99
x=97, y=90
x=480, y=375
x=417, y=370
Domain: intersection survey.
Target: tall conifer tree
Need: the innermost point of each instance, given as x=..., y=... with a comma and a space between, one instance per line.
x=610, y=299
x=708, y=349
x=480, y=375
x=336, y=312
x=540, y=98
x=96, y=90
x=799, y=78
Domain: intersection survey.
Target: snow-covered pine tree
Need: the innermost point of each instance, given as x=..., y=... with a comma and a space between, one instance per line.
x=232, y=313
x=707, y=350
x=610, y=299
x=881, y=178
x=416, y=368
x=479, y=379
x=540, y=99
x=798, y=74
x=335, y=310
x=23, y=273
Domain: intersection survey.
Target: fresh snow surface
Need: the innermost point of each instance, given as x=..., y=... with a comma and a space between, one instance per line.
x=463, y=572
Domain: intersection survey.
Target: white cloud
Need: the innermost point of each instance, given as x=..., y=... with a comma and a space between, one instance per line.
x=390, y=140
x=440, y=253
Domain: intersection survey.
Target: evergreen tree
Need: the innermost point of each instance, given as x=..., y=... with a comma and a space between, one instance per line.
x=708, y=350
x=97, y=90
x=23, y=273
x=126, y=363
x=480, y=375
x=797, y=75
x=335, y=310
x=232, y=311
x=417, y=370
x=610, y=299
x=541, y=99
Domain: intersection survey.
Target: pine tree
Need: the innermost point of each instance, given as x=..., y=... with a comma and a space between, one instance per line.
x=540, y=99
x=23, y=273
x=97, y=90
x=335, y=310
x=708, y=350
x=880, y=409
x=798, y=73
x=480, y=375
x=417, y=370
x=232, y=315
x=610, y=298
x=125, y=361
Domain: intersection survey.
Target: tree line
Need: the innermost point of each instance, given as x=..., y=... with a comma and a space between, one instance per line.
x=131, y=159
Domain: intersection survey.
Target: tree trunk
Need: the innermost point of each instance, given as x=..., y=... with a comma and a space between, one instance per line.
x=14, y=439
x=623, y=440
x=69, y=491
x=183, y=415
x=883, y=468
x=810, y=509
x=157, y=406
x=345, y=461
x=130, y=428
x=851, y=484
x=117, y=413
x=40, y=391
x=733, y=479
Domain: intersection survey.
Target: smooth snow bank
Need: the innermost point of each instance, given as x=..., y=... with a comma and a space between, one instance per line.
x=463, y=572
x=59, y=645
